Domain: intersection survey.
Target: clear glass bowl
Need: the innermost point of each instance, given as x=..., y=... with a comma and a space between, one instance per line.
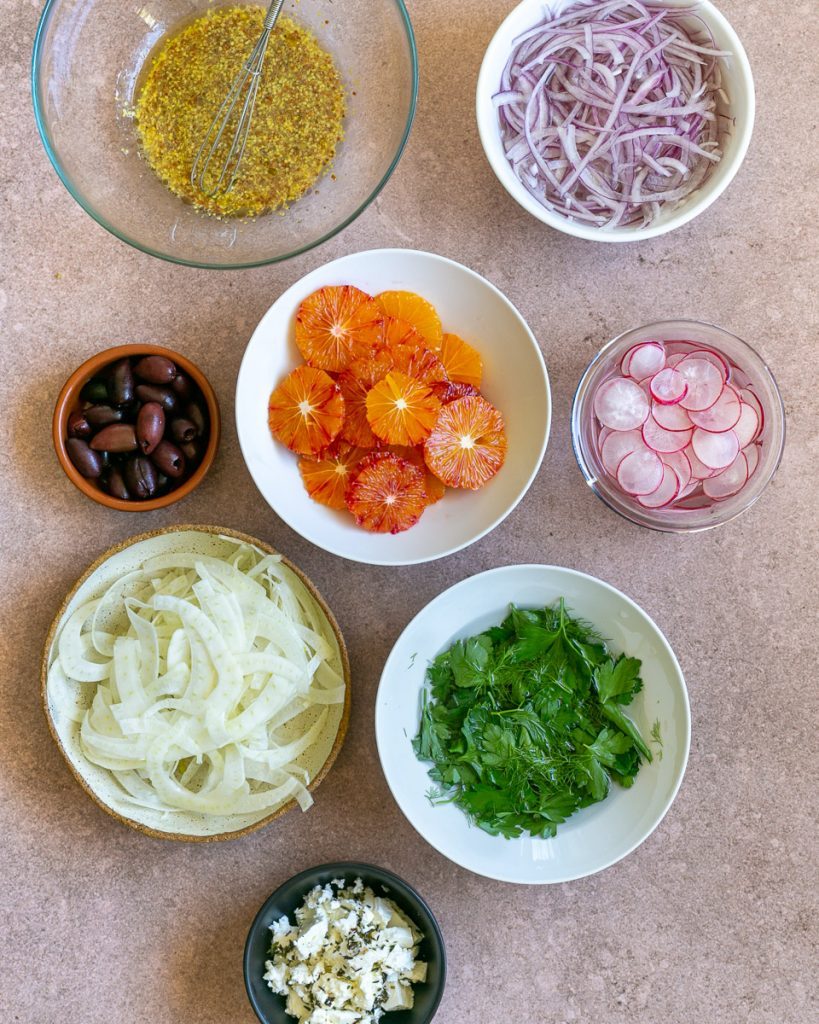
x=678, y=520
x=86, y=66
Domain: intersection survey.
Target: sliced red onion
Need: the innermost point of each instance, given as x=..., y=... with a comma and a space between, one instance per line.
x=609, y=111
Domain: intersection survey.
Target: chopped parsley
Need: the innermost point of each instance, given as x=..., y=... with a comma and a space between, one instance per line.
x=524, y=723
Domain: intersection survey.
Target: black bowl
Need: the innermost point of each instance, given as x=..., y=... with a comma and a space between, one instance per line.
x=269, y=1007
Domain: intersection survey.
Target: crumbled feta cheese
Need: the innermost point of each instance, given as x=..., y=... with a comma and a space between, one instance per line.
x=350, y=957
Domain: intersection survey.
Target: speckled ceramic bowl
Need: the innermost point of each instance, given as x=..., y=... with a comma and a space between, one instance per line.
x=269, y=1007
x=97, y=783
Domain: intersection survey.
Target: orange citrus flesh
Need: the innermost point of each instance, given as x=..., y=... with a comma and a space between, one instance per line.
x=433, y=486
x=462, y=362
x=468, y=444
x=420, y=363
x=327, y=479
x=386, y=493
x=336, y=325
x=414, y=310
x=449, y=391
x=399, y=332
x=306, y=411
x=401, y=410
x=355, y=384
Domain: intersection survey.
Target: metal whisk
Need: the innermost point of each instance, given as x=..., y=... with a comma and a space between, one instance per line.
x=248, y=78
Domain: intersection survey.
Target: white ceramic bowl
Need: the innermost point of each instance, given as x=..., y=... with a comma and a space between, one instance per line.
x=739, y=84
x=594, y=838
x=515, y=380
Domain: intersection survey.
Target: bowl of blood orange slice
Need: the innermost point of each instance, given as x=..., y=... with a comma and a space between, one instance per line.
x=393, y=407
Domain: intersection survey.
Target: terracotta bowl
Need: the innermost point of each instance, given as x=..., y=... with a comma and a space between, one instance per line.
x=95, y=781
x=69, y=401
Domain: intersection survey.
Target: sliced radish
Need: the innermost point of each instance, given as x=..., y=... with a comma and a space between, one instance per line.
x=705, y=382
x=747, y=426
x=621, y=404
x=722, y=415
x=749, y=398
x=689, y=488
x=729, y=481
x=668, y=386
x=714, y=357
x=694, y=502
x=671, y=417
x=717, y=451
x=661, y=440
x=677, y=357
x=699, y=471
x=666, y=493
x=640, y=473
x=752, y=454
x=644, y=360
x=617, y=446
x=602, y=435
x=678, y=461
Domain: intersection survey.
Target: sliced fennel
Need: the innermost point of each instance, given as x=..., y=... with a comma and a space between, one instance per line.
x=198, y=671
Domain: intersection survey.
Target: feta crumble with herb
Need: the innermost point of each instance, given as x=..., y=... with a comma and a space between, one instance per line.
x=350, y=957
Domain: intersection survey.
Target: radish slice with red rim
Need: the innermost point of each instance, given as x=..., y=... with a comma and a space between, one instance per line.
x=694, y=503
x=644, y=360
x=676, y=357
x=722, y=415
x=661, y=440
x=689, y=488
x=729, y=481
x=699, y=471
x=640, y=472
x=668, y=386
x=621, y=404
x=705, y=382
x=750, y=398
x=617, y=446
x=714, y=357
x=666, y=493
x=678, y=461
x=752, y=454
x=671, y=417
x=717, y=451
x=747, y=426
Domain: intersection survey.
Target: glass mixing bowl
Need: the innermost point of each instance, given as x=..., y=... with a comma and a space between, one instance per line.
x=771, y=438
x=88, y=55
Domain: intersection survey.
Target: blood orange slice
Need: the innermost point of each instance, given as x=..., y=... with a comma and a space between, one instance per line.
x=419, y=362
x=306, y=411
x=327, y=479
x=433, y=486
x=449, y=391
x=468, y=443
x=401, y=410
x=386, y=493
x=462, y=362
x=414, y=310
x=336, y=325
x=399, y=332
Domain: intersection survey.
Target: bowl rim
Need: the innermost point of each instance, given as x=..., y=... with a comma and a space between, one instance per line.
x=677, y=218
x=538, y=461
x=69, y=393
x=341, y=868
x=560, y=569
x=76, y=194
x=246, y=538
x=592, y=479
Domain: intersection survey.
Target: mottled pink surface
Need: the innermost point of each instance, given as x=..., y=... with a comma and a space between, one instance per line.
x=713, y=919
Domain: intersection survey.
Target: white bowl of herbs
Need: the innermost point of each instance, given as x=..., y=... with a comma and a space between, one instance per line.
x=533, y=724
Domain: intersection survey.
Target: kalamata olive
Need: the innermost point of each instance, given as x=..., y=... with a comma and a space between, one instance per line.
x=183, y=386
x=88, y=462
x=149, y=393
x=115, y=485
x=117, y=437
x=194, y=413
x=155, y=370
x=121, y=382
x=168, y=459
x=183, y=430
x=102, y=415
x=150, y=426
x=192, y=450
x=78, y=425
x=95, y=390
x=140, y=477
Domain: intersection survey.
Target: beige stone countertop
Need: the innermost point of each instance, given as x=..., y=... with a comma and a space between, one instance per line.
x=714, y=918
